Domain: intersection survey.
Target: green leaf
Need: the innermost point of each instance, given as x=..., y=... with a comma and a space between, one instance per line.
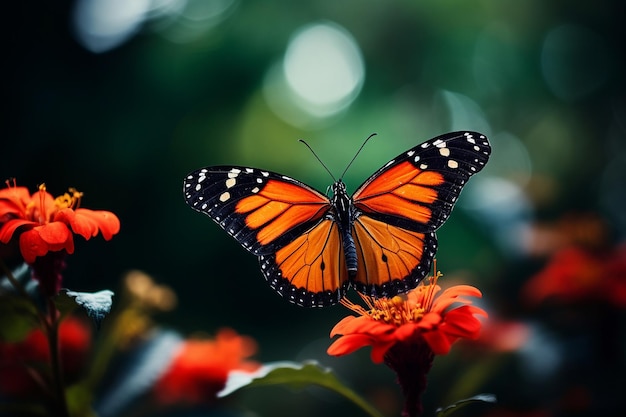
x=295, y=375
x=480, y=398
x=18, y=316
x=96, y=304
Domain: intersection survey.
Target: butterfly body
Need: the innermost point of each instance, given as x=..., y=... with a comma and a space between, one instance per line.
x=311, y=248
x=344, y=214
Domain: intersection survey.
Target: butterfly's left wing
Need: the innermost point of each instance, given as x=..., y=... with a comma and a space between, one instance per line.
x=310, y=271
x=400, y=207
x=281, y=220
x=262, y=210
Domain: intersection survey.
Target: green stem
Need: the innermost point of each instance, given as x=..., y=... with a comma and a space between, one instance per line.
x=55, y=360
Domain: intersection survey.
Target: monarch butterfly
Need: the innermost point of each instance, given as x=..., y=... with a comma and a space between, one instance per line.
x=312, y=247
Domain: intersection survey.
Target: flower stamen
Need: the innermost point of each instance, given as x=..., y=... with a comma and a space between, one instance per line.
x=43, y=218
x=398, y=310
x=69, y=200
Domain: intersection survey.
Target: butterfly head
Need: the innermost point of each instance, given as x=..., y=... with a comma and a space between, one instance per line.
x=339, y=189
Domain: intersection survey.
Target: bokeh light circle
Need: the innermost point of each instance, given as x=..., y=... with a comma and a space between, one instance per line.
x=323, y=66
x=322, y=72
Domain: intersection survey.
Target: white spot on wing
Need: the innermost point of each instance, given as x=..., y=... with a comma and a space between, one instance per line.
x=444, y=151
x=410, y=153
x=230, y=182
x=453, y=164
x=225, y=196
x=265, y=173
x=423, y=166
x=255, y=190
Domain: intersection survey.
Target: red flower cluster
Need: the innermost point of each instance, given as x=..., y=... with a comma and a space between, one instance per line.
x=46, y=224
x=20, y=362
x=200, y=369
x=574, y=274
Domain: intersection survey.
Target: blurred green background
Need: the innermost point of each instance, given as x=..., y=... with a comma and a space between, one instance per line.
x=121, y=99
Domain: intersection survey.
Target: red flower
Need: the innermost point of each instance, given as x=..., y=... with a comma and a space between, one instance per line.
x=44, y=227
x=200, y=368
x=21, y=361
x=46, y=224
x=421, y=314
x=578, y=275
x=407, y=331
x=501, y=335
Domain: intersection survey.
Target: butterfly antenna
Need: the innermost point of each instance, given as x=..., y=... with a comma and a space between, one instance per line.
x=357, y=153
x=318, y=158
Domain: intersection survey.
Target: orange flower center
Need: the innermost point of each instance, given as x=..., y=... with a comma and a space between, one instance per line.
x=398, y=310
x=68, y=200
x=41, y=212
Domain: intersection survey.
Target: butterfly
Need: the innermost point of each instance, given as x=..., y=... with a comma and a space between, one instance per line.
x=312, y=247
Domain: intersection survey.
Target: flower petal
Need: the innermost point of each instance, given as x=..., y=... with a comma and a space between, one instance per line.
x=86, y=229
x=362, y=324
x=438, y=341
x=406, y=331
x=32, y=245
x=17, y=195
x=105, y=221
x=348, y=344
x=461, y=322
x=454, y=294
x=430, y=321
x=379, y=350
x=341, y=326
x=40, y=240
x=8, y=228
x=55, y=233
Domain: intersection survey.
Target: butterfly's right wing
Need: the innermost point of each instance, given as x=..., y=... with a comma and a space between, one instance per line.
x=402, y=205
x=391, y=260
x=417, y=190
x=262, y=210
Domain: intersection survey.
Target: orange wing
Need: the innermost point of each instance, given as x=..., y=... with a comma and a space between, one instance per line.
x=391, y=260
x=262, y=210
x=418, y=189
x=401, y=205
x=310, y=271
